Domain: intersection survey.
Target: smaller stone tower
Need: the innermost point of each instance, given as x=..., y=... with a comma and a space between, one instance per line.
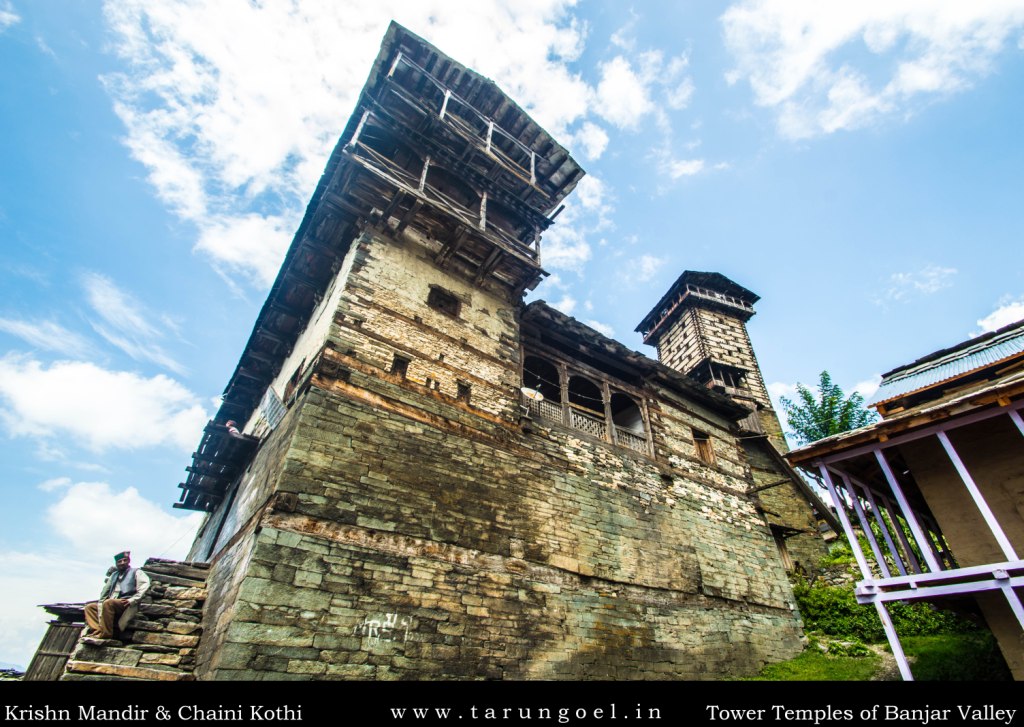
x=700, y=329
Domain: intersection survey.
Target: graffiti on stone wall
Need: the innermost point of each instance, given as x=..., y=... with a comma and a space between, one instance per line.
x=388, y=629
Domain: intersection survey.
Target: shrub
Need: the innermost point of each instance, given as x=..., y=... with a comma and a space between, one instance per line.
x=834, y=610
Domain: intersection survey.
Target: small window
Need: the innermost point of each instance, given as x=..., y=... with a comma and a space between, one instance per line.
x=702, y=444
x=443, y=301
x=465, y=390
x=399, y=366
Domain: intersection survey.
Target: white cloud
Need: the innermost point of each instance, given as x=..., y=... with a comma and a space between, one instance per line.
x=678, y=168
x=48, y=336
x=97, y=521
x=8, y=16
x=93, y=521
x=625, y=37
x=622, y=95
x=98, y=408
x=930, y=279
x=564, y=245
x=54, y=483
x=1009, y=311
x=233, y=108
x=566, y=305
x=868, y=387
x=124, y=324
x=592, y=139
x=826, y=66
x=251, y=244
x=643, y=268
x=602, y=328
x=678, y=91
x=778, y=389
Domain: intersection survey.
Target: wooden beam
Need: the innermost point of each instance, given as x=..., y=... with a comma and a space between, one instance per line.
x=488, y=266
x=407, y=217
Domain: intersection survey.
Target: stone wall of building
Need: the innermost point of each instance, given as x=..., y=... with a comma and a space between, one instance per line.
x=786, y=509
x=498, y=555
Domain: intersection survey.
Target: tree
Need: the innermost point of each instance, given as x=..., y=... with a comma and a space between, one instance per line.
x=812, y=418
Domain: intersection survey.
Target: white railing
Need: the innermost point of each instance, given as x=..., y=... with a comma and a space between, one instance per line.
x=632, y=440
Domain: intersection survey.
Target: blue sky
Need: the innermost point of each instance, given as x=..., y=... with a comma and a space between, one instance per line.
x=857, y=165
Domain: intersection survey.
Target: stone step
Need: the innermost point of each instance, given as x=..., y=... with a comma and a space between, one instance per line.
x=175, y=580
x=179, y=570
x=165, y=639
x=128, y=672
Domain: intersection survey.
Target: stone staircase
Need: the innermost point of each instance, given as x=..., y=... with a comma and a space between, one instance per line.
x=160, y=644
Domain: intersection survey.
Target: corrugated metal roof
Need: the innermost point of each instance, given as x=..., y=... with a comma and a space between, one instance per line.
x=960, y=361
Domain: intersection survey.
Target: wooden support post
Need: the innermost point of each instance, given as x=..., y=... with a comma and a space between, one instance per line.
x=359, y=128
x=885, y=532
x=866, y=526
x=844, y=518
x=483, y=211
x=394, y=65
x=894, y=642
x=444, y=104
x=423, y=176
x=609, y=425
x=1015, y=416
x=908, y=514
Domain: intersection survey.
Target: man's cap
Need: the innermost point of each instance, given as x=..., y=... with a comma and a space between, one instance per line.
x=122, y=554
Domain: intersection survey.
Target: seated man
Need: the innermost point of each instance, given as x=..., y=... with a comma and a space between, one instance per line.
x=119, y=600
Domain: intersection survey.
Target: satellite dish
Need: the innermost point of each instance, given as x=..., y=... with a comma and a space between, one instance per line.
x=532, y=394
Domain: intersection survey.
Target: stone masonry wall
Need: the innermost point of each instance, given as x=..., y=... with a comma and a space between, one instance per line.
x=384, y=312
x=494, y=559
x=785, y=506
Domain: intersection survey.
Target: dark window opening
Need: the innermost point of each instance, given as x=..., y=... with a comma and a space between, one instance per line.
x=542, y=376
x=702, y=444
x=626, y=414
x=400, y=366
x=465, y=390
x=441, y=300
x=585, y=394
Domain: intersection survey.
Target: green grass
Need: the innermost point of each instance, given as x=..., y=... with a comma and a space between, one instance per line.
x=814, y=666
x=947, y=657
x=956, y=657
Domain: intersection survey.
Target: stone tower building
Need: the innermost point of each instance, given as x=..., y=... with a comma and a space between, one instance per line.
x=435, y=480
x=699, y=328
